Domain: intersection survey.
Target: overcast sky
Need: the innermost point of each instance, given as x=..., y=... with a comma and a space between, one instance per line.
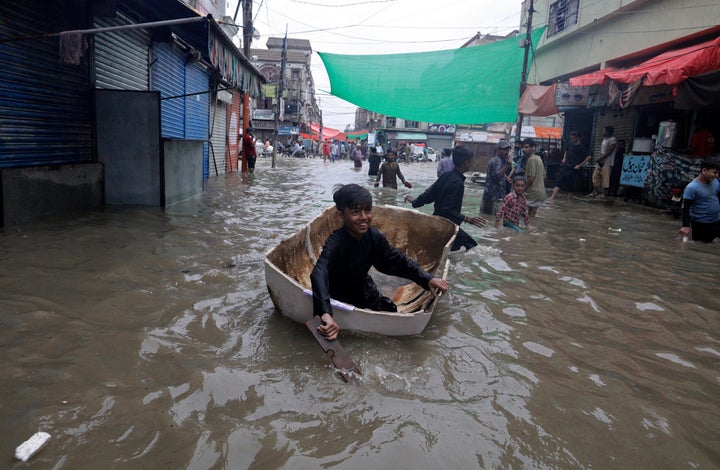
x=376, y=27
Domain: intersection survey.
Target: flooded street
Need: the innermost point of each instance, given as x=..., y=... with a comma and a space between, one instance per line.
x=145, y=338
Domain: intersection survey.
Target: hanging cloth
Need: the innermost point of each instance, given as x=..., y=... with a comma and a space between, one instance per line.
x=73, y=46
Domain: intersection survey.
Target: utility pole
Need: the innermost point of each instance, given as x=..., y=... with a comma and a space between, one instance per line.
x=247, y=38
x=523, y=77
x=280, y=91
x=321, y=141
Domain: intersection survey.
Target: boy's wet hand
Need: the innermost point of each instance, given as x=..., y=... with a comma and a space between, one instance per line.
x=329, y=328
x=436, y=284
x=477, y=220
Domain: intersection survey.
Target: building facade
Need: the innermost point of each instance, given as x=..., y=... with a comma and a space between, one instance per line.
x=299, y=106
x=615, y=64
x=138, y=106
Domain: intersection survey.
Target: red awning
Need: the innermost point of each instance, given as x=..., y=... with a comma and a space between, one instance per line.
x=548, y=132
x=328, y=133
x=669, y=68
x=538, y=100
x=599, y=77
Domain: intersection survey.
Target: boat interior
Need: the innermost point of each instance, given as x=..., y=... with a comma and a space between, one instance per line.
x=423, y=238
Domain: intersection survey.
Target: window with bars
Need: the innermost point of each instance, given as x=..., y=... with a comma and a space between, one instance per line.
x=390, y=122
x=563, y=14
x=412, y=124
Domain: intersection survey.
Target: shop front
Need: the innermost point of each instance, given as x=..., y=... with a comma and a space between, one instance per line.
x=665, y=113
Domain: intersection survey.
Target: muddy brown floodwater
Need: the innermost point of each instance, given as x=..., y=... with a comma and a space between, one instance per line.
x=145, y=338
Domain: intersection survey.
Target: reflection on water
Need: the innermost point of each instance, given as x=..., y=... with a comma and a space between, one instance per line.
x=143, y=337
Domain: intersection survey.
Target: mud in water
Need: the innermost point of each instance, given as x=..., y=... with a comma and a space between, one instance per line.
x=145, y=338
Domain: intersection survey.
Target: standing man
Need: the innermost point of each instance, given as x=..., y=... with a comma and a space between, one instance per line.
x=575, y=156
x=445, y=164
x=701, y=207
x=603, y=169
x=535, y=193
x=389, y=172
x=248, y=149
x=447, y=194
x=326, y=151
x=519, y=160
x=373, y=162
x=497, y=179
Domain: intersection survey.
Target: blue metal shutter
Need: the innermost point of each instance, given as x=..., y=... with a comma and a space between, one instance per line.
x=197, y=109
x=45, y=112
x=121, y=57
x=168, y=77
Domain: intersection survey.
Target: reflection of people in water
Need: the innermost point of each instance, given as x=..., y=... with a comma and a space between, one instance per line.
x=702, y=142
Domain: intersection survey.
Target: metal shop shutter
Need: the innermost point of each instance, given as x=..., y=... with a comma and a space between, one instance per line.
x=623, y=121
x=121, y=57
x=234, y=118
x=44, y=103
x=218, y=137
x=197, y=109
x=168, y=77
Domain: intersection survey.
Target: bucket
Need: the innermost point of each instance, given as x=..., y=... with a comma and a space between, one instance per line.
x=643, y=145
x=666, y=133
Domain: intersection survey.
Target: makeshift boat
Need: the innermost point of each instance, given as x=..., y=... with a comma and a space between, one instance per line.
x=422, y=237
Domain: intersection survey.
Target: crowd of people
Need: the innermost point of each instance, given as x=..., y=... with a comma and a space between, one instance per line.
x=515, y=180
x=513, y=194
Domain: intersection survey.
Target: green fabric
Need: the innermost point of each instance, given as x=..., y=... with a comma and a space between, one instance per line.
x=471, y=85
x=411, y=136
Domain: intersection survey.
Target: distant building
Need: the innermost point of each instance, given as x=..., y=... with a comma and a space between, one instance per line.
x=300, y=106
x=479, y=39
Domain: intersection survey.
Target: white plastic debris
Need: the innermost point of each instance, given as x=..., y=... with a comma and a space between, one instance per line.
x=616, y=230
x=582, y=240
x=32, y=446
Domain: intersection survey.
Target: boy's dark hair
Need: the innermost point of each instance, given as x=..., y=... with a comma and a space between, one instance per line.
x=528, y=141
x=711, y=163
x=575, y=134
x=352, y=196
x=447, y=152
x=610, y=130
x=460, y=155
x=519, y=178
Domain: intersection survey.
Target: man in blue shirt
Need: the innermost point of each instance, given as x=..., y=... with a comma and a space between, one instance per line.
x=701, y=206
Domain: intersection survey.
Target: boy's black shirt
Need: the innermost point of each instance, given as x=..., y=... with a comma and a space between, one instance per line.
x=341, y=272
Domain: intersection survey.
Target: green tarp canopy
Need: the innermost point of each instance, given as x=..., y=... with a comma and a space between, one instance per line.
x=471, y=85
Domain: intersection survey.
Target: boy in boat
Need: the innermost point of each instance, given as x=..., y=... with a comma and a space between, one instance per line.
x=341, y=272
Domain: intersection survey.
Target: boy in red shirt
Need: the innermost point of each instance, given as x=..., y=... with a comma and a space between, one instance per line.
x=514, y=207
